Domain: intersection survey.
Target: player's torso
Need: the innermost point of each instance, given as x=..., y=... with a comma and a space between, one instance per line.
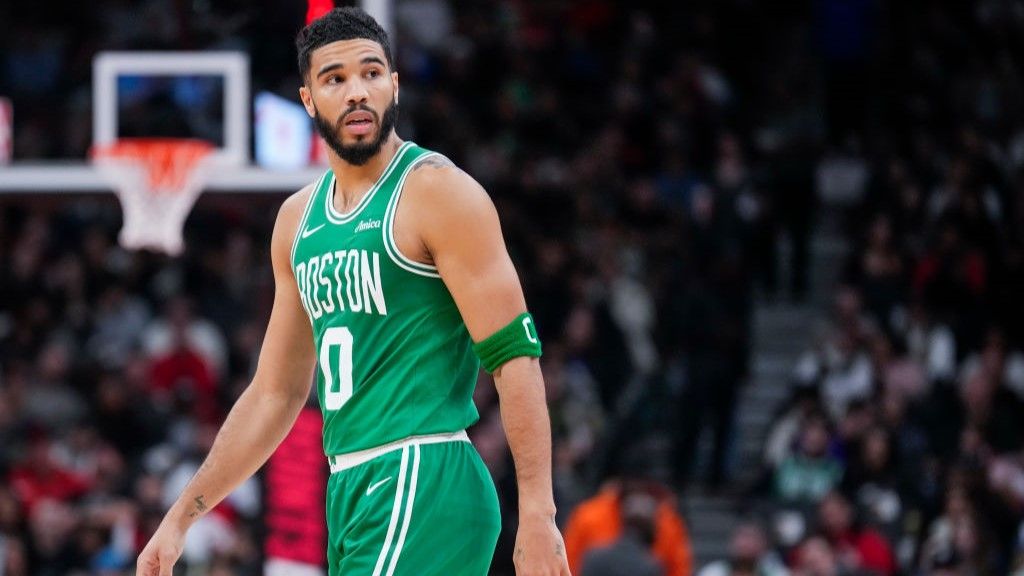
x=394, y=357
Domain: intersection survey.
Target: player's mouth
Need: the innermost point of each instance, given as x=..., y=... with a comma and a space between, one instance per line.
x=359, y=122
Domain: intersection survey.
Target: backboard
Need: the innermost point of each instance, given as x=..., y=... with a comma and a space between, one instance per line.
x=112, y=71
x=109, y=68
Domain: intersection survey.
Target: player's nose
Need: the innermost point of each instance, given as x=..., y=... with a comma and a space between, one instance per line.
x=357, y=93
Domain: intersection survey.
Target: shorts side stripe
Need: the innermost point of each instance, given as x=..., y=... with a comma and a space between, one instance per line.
x=408, y=510
x=396, y=510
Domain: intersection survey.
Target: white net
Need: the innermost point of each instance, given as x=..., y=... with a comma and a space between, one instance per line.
x=157, y=182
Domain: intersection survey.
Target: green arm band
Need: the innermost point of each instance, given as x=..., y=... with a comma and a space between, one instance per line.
x=518, y=338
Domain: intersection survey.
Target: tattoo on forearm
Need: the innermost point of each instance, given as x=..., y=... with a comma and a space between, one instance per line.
x=559, y=549
x=200, y=506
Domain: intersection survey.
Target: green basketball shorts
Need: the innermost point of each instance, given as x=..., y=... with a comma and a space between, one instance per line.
x=421, y=506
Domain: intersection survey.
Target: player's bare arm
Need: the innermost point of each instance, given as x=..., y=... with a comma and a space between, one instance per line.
x=447, y=219
x=263, y=414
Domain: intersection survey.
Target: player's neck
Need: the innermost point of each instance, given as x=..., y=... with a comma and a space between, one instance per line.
x=351, y=182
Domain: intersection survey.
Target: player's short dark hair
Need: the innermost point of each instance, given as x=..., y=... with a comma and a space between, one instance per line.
x=345, y=23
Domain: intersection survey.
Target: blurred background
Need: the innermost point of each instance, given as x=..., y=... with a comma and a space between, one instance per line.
x=774, y=251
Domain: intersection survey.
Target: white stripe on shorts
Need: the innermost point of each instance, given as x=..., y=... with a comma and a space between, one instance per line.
x=396, y=510
x=408, y=509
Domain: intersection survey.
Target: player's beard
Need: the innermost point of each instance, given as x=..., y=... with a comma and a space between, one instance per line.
x=359, y=153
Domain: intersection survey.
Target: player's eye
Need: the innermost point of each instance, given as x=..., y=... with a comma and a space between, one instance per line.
x=373, y=74
x=334, y=79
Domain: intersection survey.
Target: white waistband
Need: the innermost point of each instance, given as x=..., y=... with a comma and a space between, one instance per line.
x=341, y=462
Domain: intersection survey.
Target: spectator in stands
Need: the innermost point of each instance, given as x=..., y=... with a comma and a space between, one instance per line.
x=50, y=397
x=880, y=272
x=806, y=476
x=876, y=484
x=969, y=202
x=180, y=328
x=789, y=138
x=816, y=557
x=857, y=546
x=957, y=540
x=999, y=362
x=897, y=373
x=785, y=432
x=182, y=369
x=839, y=365
x=576, y=418
x=851, y=428
x=749, y=555
x=125, y=417
x=120, y=318
x=931, y=343
x=990, y=408
x=39, y=478
x=599, y=520
x=630, y=553
x=952, y=278
x=52, y=525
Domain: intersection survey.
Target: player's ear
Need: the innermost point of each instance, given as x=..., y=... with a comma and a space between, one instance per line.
x=394, y=82
x=307, y=100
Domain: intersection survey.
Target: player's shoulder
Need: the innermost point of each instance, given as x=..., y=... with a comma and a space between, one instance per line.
x=294, y=206
x=435, y=182
x=290, y=213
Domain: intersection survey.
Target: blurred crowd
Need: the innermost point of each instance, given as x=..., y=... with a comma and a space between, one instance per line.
x=902, y=450
x=646, y=158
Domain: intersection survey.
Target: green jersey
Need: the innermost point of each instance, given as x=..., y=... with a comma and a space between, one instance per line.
x=394, y=358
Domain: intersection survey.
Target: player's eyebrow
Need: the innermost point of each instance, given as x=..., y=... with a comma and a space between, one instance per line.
x=330, y=68
x=336, y=65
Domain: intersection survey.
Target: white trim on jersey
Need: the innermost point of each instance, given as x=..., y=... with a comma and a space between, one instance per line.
x=388, y=232
x=335, y=217
x=305, y=216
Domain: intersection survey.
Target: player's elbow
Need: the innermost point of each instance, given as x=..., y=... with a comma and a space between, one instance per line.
x=288, y=392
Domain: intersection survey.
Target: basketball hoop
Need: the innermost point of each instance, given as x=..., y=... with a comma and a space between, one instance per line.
x=157, y=181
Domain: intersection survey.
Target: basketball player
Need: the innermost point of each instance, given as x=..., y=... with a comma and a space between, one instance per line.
x=396, y=260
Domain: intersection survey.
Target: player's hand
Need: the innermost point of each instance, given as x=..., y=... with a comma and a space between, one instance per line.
x=161, y=552
x=540, y=550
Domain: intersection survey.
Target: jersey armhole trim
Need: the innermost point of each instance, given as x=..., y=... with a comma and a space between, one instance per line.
x=305, y=216
x=390, y=246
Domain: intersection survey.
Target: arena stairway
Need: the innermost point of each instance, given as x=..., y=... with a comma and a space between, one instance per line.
x=781, y=332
